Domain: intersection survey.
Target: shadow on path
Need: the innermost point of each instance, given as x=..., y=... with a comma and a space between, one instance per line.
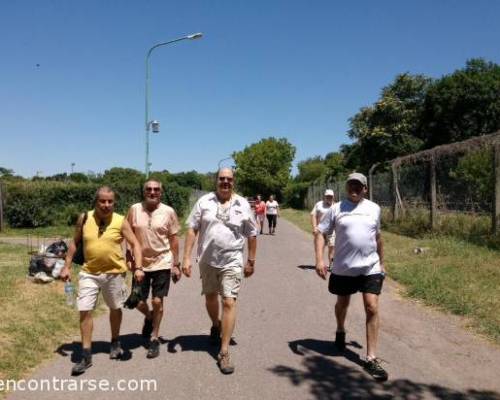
x=330, y=380
x=128, y=342
x=306, y=266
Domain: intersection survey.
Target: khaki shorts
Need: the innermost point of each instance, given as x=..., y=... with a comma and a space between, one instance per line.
x=330, y=240
x=112, y=286
x=226, y=281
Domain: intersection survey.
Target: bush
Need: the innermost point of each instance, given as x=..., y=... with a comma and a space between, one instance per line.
x=295, y=194
x=41, y=203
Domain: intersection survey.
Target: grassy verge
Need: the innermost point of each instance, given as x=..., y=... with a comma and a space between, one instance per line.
x=455, y=275
x=35, y=318
x=47, y=231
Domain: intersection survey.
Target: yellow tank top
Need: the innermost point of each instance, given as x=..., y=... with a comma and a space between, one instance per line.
x=102, y=251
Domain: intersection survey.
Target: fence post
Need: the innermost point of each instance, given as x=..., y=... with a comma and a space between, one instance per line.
x=496, y=200
x=370, y=181
x=1, y=207
x=432, y=166
x=395, y=206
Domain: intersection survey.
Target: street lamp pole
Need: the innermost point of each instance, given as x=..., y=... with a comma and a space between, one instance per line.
x=147, y=122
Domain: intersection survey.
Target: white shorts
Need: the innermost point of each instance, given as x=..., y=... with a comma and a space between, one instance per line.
x=112, y=286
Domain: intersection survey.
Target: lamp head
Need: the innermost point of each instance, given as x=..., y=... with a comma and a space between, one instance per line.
x=194, y=36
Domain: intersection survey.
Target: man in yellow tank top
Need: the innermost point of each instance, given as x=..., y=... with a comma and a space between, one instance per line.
x=103, y=270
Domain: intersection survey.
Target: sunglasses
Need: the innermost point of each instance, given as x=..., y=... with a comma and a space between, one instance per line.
x=153, y=189
x=225, y=178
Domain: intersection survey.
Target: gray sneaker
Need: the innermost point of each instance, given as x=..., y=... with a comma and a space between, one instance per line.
x=225, y=364
x=116, y=351
x=154, y=349
x=83, y=365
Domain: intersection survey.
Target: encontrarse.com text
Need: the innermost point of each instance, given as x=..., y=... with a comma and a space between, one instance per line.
x=78, y=385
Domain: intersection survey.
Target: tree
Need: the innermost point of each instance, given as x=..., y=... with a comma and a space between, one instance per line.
x=389, y=128
x=311, y=169
x=118, y=175
x=463, y=104
x=264, y=167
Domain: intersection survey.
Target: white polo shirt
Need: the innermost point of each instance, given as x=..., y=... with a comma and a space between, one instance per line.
x=356, y=226
x=222, y=232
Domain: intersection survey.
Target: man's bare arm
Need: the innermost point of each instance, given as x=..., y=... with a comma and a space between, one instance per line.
x=380, y=251
x=188, y=248
x=77, y=237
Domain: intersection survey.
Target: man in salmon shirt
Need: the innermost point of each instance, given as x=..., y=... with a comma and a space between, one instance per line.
x=102, y=232
x=155, y=225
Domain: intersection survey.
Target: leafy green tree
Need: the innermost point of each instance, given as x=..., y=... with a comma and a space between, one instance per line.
x=389, y=128
x=118, y=175
x=463, y=104
x=264, y=167
x=311, y=169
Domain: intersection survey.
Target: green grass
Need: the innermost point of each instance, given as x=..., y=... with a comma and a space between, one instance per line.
x=47, y=231
x=35, y=318
x=454, y=275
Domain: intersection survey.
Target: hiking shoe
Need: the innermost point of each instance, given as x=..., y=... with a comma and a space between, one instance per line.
x=215, y=335
x=116, y=351
x=374, y=368
x=147, y=328
x=225, y=364
x=340, y=340
x=154, y=349
x=83, y=365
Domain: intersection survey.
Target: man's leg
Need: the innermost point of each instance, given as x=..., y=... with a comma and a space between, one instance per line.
x=370, y=301
x=228, y=322
x=115, y=320
x=341, y=311
x=157, y=315
x=144, y=308
x=86, y=327
x=212, y=304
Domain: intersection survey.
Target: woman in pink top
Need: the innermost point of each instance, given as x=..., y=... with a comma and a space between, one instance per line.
x=260, y=212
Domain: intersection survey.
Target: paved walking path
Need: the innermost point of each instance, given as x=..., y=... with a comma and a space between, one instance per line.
x=283, y=344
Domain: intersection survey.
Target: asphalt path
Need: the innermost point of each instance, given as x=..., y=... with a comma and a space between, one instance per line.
x=283, y=345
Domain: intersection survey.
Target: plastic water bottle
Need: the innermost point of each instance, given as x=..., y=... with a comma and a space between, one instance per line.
x=69, y=291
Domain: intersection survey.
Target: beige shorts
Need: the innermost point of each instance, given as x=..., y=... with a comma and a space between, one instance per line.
x=226, y=281
x=330, y=240
x=112, y=286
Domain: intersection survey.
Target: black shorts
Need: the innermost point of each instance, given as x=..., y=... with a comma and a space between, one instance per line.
x=159, y=281
x=346, y=285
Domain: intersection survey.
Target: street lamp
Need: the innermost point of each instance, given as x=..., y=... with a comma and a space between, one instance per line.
x=72, y=167
x=155, y=125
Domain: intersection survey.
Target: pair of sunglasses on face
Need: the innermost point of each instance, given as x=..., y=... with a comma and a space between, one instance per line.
x=153, y=189
x=225, y=178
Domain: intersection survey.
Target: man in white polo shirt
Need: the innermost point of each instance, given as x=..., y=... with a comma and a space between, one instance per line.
x=222, y=221
x=358, y=265
x=319, y=210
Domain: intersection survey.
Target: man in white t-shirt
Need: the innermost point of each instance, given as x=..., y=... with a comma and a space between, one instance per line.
x=222, y=221
x=319, y=210
x=358, y=265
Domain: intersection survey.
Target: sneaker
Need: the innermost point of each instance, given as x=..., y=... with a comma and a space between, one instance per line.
x=83, y=365
x=225, y=364
x=374, y=368
x=116, y=351
x=147, y=328
x=340, y=340
x=215, y=335
x=154, y=349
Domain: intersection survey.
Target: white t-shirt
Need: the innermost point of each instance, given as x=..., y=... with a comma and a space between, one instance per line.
x=272, y=207
x=222, y=231
x=320, y=209
x=356, y=226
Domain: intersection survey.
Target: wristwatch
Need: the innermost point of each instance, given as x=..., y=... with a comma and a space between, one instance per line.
x=177, y=264
x=251, y=262
x=139, y=268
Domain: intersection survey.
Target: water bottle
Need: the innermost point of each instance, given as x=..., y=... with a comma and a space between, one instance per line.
x=69, y=291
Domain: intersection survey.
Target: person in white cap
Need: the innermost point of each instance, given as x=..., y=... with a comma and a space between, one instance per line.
x=319, y=210
x=358, y=265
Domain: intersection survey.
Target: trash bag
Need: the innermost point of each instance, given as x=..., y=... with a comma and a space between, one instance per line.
x=59, y=248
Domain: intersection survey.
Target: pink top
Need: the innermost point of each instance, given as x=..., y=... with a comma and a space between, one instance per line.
x=260, y=208
x=152, y=230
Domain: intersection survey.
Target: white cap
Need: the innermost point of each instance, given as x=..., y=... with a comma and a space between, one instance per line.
x=329, y=192
x=356, y=176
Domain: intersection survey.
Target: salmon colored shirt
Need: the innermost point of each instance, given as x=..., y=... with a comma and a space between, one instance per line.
x=152, y=230
x=260, y=208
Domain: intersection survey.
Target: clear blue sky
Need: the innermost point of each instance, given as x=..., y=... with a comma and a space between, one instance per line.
x=294, y=69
